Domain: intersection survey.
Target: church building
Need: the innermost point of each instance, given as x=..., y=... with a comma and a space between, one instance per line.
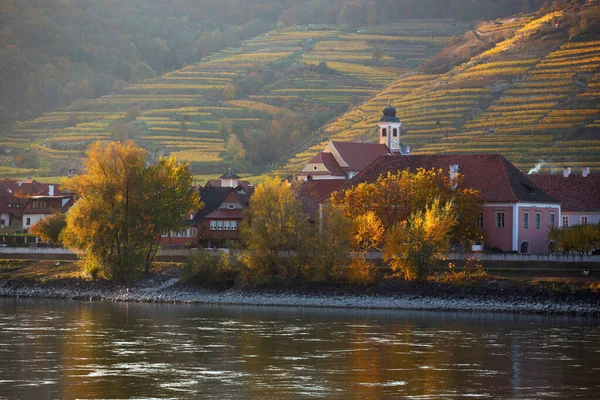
x=515, y=213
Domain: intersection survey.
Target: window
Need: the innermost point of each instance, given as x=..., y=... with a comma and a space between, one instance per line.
x=213, y=225
x=552, y=220
x=395, y=132
x=525, y=220
x=583, y=220
x=499, y=219
x=2, y=222
x=480, y=220
x=227, y=225
x=28, y=221
x=565, y=221
x=538, y=220
x=230, y=206
x=384, y=132
x=192, y=232
x=525, y=247
x=219, y=225
x=234, y=225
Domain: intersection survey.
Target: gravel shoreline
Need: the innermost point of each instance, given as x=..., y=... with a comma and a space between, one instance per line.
x=171, y=291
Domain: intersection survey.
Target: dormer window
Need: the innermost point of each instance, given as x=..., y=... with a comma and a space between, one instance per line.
x=230, y=206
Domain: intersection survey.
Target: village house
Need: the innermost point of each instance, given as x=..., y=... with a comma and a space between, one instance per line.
x=24, y=202
x=218, y=222
x=579, y=194
x=516, y=214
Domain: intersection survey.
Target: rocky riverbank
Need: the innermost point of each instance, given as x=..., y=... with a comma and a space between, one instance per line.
x=487, y=298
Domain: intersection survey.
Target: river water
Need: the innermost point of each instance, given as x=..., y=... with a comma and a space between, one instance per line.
x=68, y=349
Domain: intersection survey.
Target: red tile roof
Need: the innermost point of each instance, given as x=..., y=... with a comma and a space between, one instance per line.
x=14, y=191
x=226, y=214
x=492, y=174
x=577, y=193
x=359, y=155
x=313, y=192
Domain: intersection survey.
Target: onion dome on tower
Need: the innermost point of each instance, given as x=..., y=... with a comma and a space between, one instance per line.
x=389, y=114
x=389, y=131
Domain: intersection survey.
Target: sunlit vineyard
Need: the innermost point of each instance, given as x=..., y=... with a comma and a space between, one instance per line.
x=527, y=99
x=189, y=112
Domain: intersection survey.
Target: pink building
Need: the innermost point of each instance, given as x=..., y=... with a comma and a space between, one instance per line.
x=579, y=194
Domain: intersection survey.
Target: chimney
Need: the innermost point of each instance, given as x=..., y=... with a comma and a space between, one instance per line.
x=453, y=171
x=50, y=190
x=585, y=171
x=566, y=172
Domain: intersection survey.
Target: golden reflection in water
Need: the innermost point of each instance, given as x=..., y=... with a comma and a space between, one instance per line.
x=148, y=350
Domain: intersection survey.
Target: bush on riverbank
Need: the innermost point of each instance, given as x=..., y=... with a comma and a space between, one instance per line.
x=210, y=270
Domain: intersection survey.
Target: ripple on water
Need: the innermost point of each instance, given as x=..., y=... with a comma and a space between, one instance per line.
x=383, y=384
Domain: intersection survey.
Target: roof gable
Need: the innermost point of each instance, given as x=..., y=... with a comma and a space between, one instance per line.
x=355, y=156
x=212, y=197
x=329, y=163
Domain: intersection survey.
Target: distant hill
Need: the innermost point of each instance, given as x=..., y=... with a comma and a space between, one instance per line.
x=273, y=92
x=527, y=87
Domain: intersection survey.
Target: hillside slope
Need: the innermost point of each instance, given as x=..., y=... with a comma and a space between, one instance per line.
x=271, y=92
x=533, y=96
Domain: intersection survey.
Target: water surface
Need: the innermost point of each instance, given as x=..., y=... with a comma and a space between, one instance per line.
x=67, y=349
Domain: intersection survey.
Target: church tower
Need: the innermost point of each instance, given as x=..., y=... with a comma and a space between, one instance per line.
x=389, y=131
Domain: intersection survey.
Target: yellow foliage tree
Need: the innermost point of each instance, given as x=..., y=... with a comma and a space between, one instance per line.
x=333, y=251
x=413, y=246
x=235, y=149
x=277, y=234
x=395, y=197
x=123, y=208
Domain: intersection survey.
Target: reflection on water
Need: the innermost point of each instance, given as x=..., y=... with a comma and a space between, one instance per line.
x=63, y=349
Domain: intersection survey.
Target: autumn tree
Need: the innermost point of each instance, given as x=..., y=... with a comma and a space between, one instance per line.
x=277, y=234
x=393, y=198
x=49, y=228
x=413, y=246
x=333, y=250
x=580, y=239
x=229, y=91
x=235, y=149
x=367, y=235
x=123, y=207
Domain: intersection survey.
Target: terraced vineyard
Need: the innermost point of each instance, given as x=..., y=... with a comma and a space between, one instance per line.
x=190, y=112
x=533, y=97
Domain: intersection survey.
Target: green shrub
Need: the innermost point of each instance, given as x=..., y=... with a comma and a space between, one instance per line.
x=206, y=269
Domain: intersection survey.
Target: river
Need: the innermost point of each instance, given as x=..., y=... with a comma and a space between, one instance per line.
x=68, y=349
